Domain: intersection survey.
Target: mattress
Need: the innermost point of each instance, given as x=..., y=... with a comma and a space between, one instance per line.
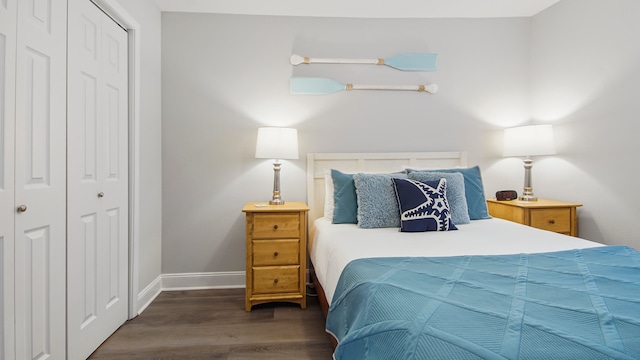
x=333, y=246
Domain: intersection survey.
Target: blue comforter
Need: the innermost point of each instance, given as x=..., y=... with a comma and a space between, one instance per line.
x=576, y=304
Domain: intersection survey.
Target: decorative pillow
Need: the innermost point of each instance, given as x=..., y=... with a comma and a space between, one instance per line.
x=423, y=206
x=474, y=191
x=455, y=192
x=377, y=202
x=328, y=194
x=345, y=203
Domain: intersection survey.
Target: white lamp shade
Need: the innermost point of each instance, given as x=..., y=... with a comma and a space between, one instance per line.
x=277, y=143
x=529, y=140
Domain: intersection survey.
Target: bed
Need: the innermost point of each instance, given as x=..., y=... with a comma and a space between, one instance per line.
x=491, y=289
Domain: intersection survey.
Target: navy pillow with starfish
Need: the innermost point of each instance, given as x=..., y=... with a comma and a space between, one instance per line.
x=423, y=205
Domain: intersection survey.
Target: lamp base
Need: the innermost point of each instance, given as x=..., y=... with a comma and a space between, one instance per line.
x=276, y=199
x=528, y=198
x=527, y=195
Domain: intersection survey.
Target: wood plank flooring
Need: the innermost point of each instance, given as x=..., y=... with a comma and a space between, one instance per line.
x=212, y=324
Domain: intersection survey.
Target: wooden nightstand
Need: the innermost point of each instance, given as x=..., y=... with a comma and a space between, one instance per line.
x=276, y=253
x=544, y=214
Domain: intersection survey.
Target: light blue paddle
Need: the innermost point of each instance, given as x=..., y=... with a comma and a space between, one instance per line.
x=404, y=62
x=321, y=86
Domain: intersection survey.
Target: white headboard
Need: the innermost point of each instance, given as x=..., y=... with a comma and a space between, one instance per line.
x=371, y=163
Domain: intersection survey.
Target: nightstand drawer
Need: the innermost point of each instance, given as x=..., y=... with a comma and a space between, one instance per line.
x=556, y=216
x=558, y=220
x=276, y=279
x=276, y=252
x=276, y=226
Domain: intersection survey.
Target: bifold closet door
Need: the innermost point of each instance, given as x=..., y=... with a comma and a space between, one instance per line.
x=8, y=15
x=97, y=178
x=39, y=179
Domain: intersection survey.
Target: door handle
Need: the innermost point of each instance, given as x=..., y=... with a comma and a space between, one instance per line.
x=22, y=208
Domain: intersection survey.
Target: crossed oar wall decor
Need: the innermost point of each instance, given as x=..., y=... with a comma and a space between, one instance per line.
x=404, y=62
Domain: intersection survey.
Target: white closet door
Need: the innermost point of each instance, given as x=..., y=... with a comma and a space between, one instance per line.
x=40, y=173
x=97, y=219
x=7, y=201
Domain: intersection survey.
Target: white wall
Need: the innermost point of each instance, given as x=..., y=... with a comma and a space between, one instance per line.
x=573, y=65
x=148, y=16
x=585, y=74
x=226, y=75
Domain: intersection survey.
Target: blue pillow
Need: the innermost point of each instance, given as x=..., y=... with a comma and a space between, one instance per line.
x=377, y=202
x=455, y=193
x=423, y=206
x=474, y=191
x=345, y=208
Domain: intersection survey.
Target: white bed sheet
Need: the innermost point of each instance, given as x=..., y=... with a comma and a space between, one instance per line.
x=335, y=245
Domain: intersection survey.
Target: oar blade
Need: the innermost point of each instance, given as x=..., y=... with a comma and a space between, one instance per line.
x=413, y=62
x=313, y=86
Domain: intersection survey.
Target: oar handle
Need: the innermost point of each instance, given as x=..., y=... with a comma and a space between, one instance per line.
x=432, y=88
x=404, y=62
x=311, y=85
x=297, y=60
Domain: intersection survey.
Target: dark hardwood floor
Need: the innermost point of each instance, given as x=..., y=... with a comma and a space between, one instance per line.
x=212, y=324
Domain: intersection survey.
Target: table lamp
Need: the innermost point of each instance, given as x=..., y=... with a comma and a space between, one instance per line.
x=531, y=140
x=277, y=144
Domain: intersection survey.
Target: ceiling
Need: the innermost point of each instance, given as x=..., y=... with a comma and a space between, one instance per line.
x=364, y=8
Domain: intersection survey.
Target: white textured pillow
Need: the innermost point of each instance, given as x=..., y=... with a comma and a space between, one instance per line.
x=328, y=195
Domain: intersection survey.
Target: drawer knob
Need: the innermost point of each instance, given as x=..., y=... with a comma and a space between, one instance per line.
x=275, y=281
x=275, y=227
x=552, y=221
x=275, y=253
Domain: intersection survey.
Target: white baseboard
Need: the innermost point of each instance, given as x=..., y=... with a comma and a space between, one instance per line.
x=210, y=280
x=148, y=294
x=191, y=281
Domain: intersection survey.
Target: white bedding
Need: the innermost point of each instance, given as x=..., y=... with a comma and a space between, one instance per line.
x=334, y=245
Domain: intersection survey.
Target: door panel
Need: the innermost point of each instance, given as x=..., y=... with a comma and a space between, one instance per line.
x=36, y=120
x=40, y=172
x=97, y=179
x=7, y=196
x=89, y=120
x=37, y=289
x=38, y=12
x=116, y=179
x=113, y=267
x=89, y=272
x=84, y=141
